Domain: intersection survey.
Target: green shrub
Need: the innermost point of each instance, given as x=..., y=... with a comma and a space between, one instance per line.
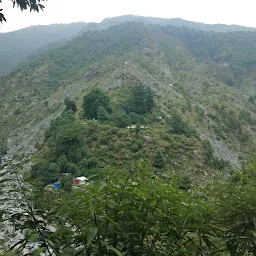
x=70, y=104
x=121, y=119
x=159, y=159
x=134, y=147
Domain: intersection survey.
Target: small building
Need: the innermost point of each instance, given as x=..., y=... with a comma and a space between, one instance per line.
x=79, y=181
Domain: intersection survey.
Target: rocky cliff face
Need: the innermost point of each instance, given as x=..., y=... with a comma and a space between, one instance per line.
x=11, y=203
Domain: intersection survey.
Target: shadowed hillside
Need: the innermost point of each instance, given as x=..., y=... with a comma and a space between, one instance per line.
x=15, y=47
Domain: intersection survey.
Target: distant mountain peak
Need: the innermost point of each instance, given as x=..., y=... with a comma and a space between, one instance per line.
x=177, y=22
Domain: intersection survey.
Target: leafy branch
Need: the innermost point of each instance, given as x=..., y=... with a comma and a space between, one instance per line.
x=32, y=5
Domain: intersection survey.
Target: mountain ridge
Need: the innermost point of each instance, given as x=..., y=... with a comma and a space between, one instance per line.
x=179, y=22
x=202, y=89
x=17, y=46
x=14, y=54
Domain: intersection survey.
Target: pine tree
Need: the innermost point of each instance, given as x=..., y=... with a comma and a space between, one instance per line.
x=149, y=98
x=141, y=101
x=159, y=159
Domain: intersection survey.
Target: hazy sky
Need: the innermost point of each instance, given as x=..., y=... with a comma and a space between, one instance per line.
x=66, y=11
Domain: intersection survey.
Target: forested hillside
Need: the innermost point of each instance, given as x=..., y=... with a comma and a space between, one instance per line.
x=176, y=22
x=201, y=75
x=17, y=46
x=162, y=121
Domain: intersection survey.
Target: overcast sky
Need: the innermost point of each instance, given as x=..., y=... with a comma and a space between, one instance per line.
x=66, y=11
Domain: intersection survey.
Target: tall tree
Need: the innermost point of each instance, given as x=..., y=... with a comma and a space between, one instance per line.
x=149, y=99
x=93, y=101
x=141, y=101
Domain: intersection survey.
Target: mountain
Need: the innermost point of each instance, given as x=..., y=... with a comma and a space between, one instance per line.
x=177, y=22
x=162, y=121
x=203, y=84
x=24, y=44
x=15, y=47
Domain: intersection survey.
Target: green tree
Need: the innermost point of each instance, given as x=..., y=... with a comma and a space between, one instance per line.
x=159, y=159
x=131, y=213
x=149, y=99
x=66, y=133
x=102, y=114
x=121, y=119
x=68, y=136
x=137, y=129
x=134, y=213
x=208, y=150
x=46, y=174
x=92, y=101
x=235, y=211
x=141, y=100
x=66, y=183
x=70, y=104
x=32, y=5
x=178, y=125
x=63, y=163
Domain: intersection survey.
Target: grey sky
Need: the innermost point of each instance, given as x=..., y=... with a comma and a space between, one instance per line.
x=66, y=11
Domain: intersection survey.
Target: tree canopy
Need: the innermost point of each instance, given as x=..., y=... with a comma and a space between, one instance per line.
x=134, y=213
x=32, y=5
x=141, y=101
x=95, y=103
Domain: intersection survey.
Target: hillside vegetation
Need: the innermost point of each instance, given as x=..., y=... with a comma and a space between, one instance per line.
x=20, y=46
x=162, y=121
x=202, y=76
x=17, y=46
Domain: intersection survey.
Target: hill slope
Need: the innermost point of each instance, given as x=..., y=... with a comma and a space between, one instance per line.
x=176, y=22
x=206, y=78
x=16, y=46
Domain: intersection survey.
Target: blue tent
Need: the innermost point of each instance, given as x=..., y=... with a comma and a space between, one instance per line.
x=56, y=185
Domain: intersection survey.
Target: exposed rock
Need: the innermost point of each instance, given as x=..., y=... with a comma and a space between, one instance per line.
x=221, y=151
x=23, y=140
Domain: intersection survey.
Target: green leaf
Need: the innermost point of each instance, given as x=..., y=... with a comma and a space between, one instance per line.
x=39, y=251
x=207, y=242
x=231, y=247
x=253, y=233
x=92, y=208
x=41, y=6
x=254, y=221
x=33, y=237
x=116, y=251
x=112, y=221
x=92, y=232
